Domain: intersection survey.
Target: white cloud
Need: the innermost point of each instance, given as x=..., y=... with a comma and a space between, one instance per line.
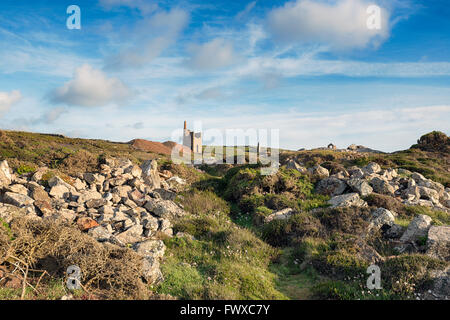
x=217, y=53
x=7, y=99
x=90, y=88
x=152, y=37
x=342, y=25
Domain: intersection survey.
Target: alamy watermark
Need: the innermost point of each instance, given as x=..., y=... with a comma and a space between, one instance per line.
x=230, y=146
x=374, y=280
x=373, y=21
x=74, y=20
x=73, y=277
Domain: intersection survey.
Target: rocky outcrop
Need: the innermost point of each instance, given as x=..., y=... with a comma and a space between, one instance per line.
x=414, y=189
x=122, y=204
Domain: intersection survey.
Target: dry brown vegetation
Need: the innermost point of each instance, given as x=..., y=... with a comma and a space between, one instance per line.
x=109, y=271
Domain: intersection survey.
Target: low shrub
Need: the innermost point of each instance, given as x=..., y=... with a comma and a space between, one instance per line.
x=54, y=246
x=406, y=274
x=387, y=202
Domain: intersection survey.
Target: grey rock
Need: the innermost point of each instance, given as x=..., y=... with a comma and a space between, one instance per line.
x=438, y=242
x=381, y=185
x=154, y=248
x=17, y=199
x=150, y=174
x=360, y=186
x=319, y=171
x=331, y=186
x=380, y=217
x=100, y=233
x=5, y=174
x=164, y=208
x=441, y=284
x=394, y=232
x=95, y=203
x=166, y=194
x=429, y=194
x=87, y=195
x=151, y=270
x=347, y=200
x=165, y=227
x=371, y=168
x=17, y=188
x=417, y=228
x=131, y=235
x=291, y=164
x=79, y=185
x=8, y=212
x=280, y=215
x=121, y=191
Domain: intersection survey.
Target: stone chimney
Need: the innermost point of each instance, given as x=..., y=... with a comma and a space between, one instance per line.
x=184, y=124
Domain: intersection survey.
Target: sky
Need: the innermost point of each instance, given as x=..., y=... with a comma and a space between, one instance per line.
x=313, y=69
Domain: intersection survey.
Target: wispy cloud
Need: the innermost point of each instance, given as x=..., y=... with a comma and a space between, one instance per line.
x=151, y=37
x=244, y=13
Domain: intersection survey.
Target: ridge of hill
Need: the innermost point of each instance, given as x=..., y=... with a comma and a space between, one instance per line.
x=150, y=146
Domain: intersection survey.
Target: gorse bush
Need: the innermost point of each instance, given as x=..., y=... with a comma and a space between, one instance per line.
x=248, y=181
x=54, y=246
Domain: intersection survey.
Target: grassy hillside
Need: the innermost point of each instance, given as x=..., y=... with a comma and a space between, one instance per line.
x=234, y=255
x=26, y=151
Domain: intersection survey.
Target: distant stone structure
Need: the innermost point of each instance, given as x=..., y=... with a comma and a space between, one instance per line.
x=331, y=146
x=192, y=140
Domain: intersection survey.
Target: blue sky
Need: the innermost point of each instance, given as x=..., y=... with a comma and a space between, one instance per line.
x=312, y=69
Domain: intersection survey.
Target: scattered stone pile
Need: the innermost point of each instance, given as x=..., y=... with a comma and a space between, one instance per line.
x=347, y=189
x=122, y=204
x=347, y=186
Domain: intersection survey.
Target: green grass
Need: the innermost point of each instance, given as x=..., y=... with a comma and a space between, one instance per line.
x=231, y=265
x=438, y=217
x=293, y=280
x=25, y=150
x=404, y=222
x=224, y=262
